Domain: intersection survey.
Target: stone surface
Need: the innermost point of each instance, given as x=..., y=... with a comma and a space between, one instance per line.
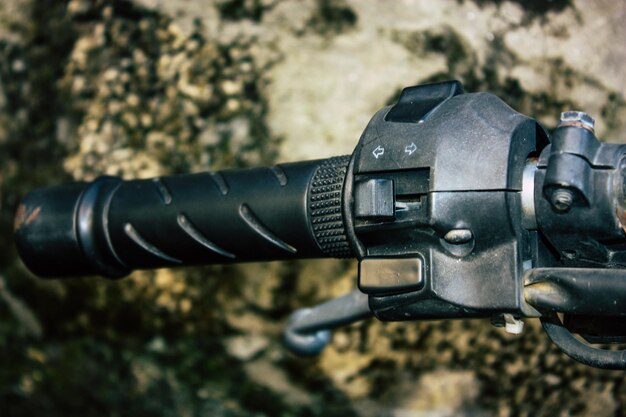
x=324, y=89
x=324, y=86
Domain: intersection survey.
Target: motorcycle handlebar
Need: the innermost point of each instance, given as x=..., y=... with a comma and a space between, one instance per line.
x=110, y=227
x=450, y=231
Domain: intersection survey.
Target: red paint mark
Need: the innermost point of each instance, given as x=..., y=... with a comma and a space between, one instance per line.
x=23, y=217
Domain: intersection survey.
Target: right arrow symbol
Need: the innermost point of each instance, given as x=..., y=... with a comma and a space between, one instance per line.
x=410, y=149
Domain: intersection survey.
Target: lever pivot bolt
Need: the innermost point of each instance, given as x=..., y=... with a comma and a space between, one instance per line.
x=562, y=199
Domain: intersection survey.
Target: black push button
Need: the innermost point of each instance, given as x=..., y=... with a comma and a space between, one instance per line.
x=417, y=102
x=390, y=275
x=374, y=199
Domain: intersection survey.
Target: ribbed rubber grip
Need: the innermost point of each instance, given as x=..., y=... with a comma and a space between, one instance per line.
x=325, y=201
x=111, y=227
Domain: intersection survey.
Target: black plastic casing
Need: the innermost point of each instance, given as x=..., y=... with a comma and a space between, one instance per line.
x=456, y=163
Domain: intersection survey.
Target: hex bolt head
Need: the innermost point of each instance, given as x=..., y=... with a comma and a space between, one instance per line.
x=562, y=199
x=577, y=118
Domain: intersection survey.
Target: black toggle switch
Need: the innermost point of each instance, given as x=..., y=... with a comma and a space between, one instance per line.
x=374, y=199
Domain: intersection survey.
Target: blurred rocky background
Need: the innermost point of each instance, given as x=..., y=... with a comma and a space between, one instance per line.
x=150, y=87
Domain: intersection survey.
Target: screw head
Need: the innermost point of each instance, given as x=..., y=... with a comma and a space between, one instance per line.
x=458, y=236
x=562, y=199
x=577, y=118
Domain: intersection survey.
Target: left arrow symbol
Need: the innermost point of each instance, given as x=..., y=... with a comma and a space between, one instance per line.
x=378, y=151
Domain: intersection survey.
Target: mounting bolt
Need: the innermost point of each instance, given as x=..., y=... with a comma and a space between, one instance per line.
x=562, y=199
x=578, y=119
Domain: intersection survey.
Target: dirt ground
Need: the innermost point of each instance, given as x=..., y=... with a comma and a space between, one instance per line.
x=153, y=87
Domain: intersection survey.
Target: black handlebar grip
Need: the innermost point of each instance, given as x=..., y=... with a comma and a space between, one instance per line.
x=110, y=227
